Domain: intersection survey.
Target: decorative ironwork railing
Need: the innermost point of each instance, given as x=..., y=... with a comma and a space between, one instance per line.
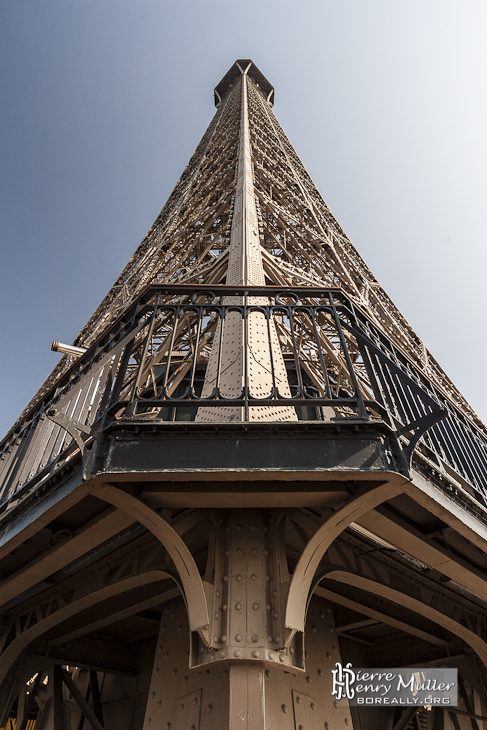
x=152, y=365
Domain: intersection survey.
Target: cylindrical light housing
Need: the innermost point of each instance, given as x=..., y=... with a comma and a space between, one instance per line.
x=68, y=349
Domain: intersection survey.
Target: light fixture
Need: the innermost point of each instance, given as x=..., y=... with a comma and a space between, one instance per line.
x=68, y=349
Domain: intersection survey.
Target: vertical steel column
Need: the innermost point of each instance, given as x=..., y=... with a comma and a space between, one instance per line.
x=247, y=678
x=58, y=702
x=247, y=697
x=251, y=356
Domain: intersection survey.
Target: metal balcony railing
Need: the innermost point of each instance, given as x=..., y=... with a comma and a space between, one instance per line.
x=151, y=365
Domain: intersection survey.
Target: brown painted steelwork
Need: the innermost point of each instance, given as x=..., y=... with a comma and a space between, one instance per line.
x=254, y=471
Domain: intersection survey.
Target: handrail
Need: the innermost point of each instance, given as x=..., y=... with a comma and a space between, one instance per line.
x=151, y=364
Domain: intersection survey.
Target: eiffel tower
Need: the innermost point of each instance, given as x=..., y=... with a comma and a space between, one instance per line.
x=246, y=471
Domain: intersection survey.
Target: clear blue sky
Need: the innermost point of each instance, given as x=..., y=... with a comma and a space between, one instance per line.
x=103, y=102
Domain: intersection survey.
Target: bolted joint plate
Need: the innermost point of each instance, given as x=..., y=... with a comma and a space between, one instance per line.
x=248, y=594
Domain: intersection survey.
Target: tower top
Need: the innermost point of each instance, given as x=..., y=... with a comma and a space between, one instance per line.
x=244, y=66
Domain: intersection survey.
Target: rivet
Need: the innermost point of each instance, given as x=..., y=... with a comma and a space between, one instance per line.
x=215, y=639
x=255, y=654
x=255, y=606
x=291, y=650
x=267, y=673
x=239, y=551
x=180, y=628
x=171, y=615
x=271, y=655
x=308, y=679
x=217, y=615
x=274, y=593
x=202, y=649
x=276, y=615
x=159, y=705
x=212, y=657
x=238, y=606
x=277, y=638
x=334, y=649
x=301, y=727
x=313, y=629
x=269, y=639
x=313, y=706
x=209, y=709
x=237, y=653
x=181, y=707
x=238, y=578
x=320, y=672
x=152, y=695
x=225, y=578
x=255, y=638
x=218, y=594
x=269, y=607
x=166, y=655
x=185, y=679
x=174, y=672
x=346, y=721
x=224, y=638
x=322, y=614
x=156, y=670
x=298, y=700
x=224, y=607
x=267, y=579
x=253, y=576
x=238, y=637
x=327, y=727
x=223, y=654
x=168, y=726
x=328, y=655
x=253, y=551
x=149, y=720
x=281, y=657
x=284, y=708
x=335, y=704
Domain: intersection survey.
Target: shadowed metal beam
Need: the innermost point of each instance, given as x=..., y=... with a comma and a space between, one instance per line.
x=183, y=560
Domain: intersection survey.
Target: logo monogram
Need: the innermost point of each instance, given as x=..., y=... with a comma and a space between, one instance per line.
x=343, y=679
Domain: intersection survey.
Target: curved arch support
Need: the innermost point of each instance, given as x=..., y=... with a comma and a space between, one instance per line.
x=478, y=645
x=316, y=548
x=193, y=588
x=14, y=649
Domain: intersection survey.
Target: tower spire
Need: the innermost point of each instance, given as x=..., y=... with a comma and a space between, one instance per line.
x=251, y=339
x=301, y=242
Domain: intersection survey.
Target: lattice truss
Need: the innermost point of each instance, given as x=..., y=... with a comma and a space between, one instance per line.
x=301, y=244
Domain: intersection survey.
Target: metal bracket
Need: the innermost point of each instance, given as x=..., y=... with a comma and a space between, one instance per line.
x=421, y=425
x=69, y=425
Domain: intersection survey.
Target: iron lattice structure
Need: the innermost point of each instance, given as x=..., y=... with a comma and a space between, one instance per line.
x=302, y=243
x=250, y=448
